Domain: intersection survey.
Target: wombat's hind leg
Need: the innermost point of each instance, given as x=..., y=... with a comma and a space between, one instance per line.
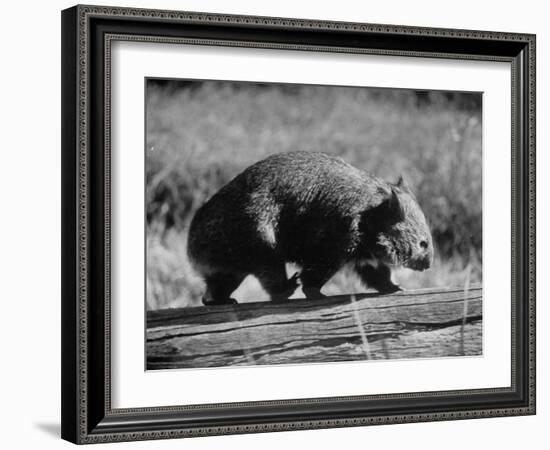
x=377, y=277
x=313, y=278
x=219, y=287
x=275, y=282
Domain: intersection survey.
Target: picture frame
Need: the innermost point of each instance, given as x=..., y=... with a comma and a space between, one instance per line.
x=88, y=33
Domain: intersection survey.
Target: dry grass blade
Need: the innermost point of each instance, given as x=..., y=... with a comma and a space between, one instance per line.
x=359, y=324
x=465, y=311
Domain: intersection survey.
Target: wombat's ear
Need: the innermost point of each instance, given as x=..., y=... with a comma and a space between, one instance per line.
x=386, y=213
x=394, y=207
x=403, y=185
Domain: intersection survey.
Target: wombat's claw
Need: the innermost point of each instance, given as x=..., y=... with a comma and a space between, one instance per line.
x=291, y=286
x=293, y=281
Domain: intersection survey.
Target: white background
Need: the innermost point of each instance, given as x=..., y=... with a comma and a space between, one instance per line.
x=30, y=225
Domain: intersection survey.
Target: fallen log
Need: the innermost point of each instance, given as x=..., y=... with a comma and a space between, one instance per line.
x=425, y=323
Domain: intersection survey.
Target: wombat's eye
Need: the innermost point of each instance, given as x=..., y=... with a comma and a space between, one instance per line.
x=424, y=244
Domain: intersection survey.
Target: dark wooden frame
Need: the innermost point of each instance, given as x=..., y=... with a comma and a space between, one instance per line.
x=87, y=32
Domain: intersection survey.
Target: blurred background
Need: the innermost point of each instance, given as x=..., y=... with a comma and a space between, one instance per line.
x=199, y=135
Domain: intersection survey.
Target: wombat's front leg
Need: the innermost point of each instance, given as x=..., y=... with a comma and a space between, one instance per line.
x=377, y=277
x=219, y=287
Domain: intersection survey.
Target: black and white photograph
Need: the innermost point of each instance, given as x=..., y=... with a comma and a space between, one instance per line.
x=295, y=224
x=274, y=222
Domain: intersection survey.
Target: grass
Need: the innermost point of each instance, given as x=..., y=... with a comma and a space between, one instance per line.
x=200, y=135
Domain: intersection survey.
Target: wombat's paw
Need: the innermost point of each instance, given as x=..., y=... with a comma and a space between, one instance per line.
x=210, y=302
x=313, y=293
x=390, y=289
x=293, y=281
x=291, y=285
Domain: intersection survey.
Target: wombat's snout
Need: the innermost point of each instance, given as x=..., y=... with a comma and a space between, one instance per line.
x=421, y=264
x=422, y=258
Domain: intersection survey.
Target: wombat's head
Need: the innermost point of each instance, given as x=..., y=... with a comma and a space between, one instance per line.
x=402, y=235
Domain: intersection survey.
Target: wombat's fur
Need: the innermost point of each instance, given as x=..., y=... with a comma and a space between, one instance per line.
x=311, y=209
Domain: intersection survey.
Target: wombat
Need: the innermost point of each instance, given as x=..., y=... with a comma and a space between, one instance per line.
x=313, y=210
